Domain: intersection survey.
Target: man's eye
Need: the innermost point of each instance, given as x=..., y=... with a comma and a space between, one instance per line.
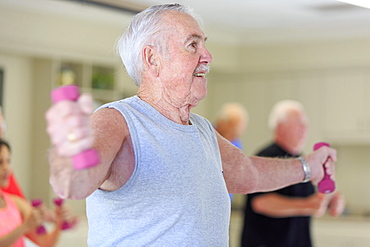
x=193, y=44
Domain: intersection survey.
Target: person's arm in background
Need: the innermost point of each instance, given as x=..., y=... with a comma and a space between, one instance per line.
x=276, y=205
x=60, y=214
x=336, y=204
x=31, y=219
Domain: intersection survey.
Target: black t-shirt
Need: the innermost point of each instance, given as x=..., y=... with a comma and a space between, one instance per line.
x=263, y=231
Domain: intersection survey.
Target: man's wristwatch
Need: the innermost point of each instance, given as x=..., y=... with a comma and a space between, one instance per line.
x=306, y=170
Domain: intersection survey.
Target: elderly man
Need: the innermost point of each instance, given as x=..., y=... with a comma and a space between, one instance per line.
x=164, y=172
x=281, y=218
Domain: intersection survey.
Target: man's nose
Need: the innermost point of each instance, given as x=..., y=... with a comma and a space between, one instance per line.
x=206, y=57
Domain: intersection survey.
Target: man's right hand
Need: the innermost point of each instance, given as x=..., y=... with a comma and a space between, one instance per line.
x=321, y=159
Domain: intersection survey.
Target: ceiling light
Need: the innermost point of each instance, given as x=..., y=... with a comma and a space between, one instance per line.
x=360, y=3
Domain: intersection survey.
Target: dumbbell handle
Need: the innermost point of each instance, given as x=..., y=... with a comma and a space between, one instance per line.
x=326, y=185
x=65, y=224
x=41, y=228
x=89, y=157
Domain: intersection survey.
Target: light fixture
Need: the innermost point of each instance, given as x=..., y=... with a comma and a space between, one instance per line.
x=360, y=3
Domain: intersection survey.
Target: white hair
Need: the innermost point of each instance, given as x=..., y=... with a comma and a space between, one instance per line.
x=279, y=112
x=145, y=29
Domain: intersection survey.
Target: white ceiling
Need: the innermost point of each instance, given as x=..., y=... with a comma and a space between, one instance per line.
x=244, y=21
x=265, y=21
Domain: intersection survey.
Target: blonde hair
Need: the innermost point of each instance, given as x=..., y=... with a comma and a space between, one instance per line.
x=232, y=120
x=231, y=110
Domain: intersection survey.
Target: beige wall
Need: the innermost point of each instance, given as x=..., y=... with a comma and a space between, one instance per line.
x=256, y=76
x=17, y=111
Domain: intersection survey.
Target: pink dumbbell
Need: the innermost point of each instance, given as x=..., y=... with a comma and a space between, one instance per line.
x=36, y=203
x=89, y=157
x=65, y=224
x=326, y=185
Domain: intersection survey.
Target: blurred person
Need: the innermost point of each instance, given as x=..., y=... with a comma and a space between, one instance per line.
x=231, y=122
x=18, y=219
x=164, y=172
x=13, y=185
x=282, y=218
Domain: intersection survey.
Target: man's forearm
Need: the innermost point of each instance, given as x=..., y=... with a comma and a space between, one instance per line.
x=66, y=181
x=275, y=173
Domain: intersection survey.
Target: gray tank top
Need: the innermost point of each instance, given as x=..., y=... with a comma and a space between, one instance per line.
x=176, y=195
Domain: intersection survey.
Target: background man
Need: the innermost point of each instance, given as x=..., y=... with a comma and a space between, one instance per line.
x=281, y=218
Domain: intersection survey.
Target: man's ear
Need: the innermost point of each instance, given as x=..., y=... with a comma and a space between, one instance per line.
x=151, y=59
